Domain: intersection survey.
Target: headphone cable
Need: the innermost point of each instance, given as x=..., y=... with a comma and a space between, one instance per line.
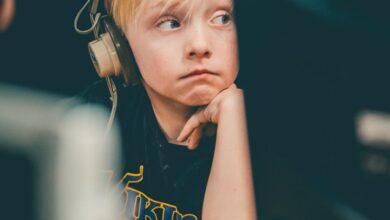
x=114, y=100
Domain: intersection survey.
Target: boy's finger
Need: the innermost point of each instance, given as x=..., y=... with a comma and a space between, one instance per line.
x=195, y=138
x=190, y=125
x=195, y=121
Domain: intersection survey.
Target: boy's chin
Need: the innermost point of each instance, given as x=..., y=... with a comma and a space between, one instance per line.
x=200, y=98
x=198, y=103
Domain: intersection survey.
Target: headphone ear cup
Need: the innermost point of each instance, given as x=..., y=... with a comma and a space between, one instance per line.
x=112, y=55
x=104, y=56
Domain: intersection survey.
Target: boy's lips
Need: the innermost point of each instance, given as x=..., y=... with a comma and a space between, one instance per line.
x=198, y=72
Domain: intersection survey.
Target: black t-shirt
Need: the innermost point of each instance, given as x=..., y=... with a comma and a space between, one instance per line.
x=161, y=180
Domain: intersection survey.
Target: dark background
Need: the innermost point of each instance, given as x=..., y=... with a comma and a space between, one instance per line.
x=307, y=69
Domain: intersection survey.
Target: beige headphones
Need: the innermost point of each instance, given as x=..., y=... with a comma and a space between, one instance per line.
x=110, y=52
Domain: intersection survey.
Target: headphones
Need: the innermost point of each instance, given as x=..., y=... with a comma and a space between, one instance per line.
x=110, y=52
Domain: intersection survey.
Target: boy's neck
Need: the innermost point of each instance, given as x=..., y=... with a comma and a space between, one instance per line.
x=171, y=116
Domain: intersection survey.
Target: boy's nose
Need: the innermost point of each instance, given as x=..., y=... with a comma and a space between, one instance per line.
x=198, y=46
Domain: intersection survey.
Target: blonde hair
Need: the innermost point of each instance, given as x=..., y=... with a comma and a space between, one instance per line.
x=123, y=10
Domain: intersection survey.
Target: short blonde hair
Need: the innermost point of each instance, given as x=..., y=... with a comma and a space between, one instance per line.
x=122, y=10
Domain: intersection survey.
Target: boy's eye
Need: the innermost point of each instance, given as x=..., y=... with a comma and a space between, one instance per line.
x=169, y=24
x=222, y=19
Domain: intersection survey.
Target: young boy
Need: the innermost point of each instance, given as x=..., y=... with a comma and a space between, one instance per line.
x=186, y=52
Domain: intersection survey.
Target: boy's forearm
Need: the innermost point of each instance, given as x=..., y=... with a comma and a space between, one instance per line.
x=229, y=192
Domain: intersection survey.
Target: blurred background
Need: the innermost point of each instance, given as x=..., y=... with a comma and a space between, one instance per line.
x=315, y=75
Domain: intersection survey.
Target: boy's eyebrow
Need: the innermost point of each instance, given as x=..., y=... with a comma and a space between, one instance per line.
x=151, y=8
x=162, y=6
x=228, y=5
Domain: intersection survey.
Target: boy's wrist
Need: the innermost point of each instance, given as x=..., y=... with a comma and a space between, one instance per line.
x=232, y=105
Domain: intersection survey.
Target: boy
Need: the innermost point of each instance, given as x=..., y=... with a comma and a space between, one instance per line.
x=186, y=52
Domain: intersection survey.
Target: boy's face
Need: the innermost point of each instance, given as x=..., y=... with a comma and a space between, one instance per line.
x=188, y=53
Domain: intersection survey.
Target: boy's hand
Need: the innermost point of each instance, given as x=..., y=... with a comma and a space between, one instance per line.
x=226, y=100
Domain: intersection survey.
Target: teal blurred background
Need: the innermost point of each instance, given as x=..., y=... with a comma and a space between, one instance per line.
x=308, y=68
